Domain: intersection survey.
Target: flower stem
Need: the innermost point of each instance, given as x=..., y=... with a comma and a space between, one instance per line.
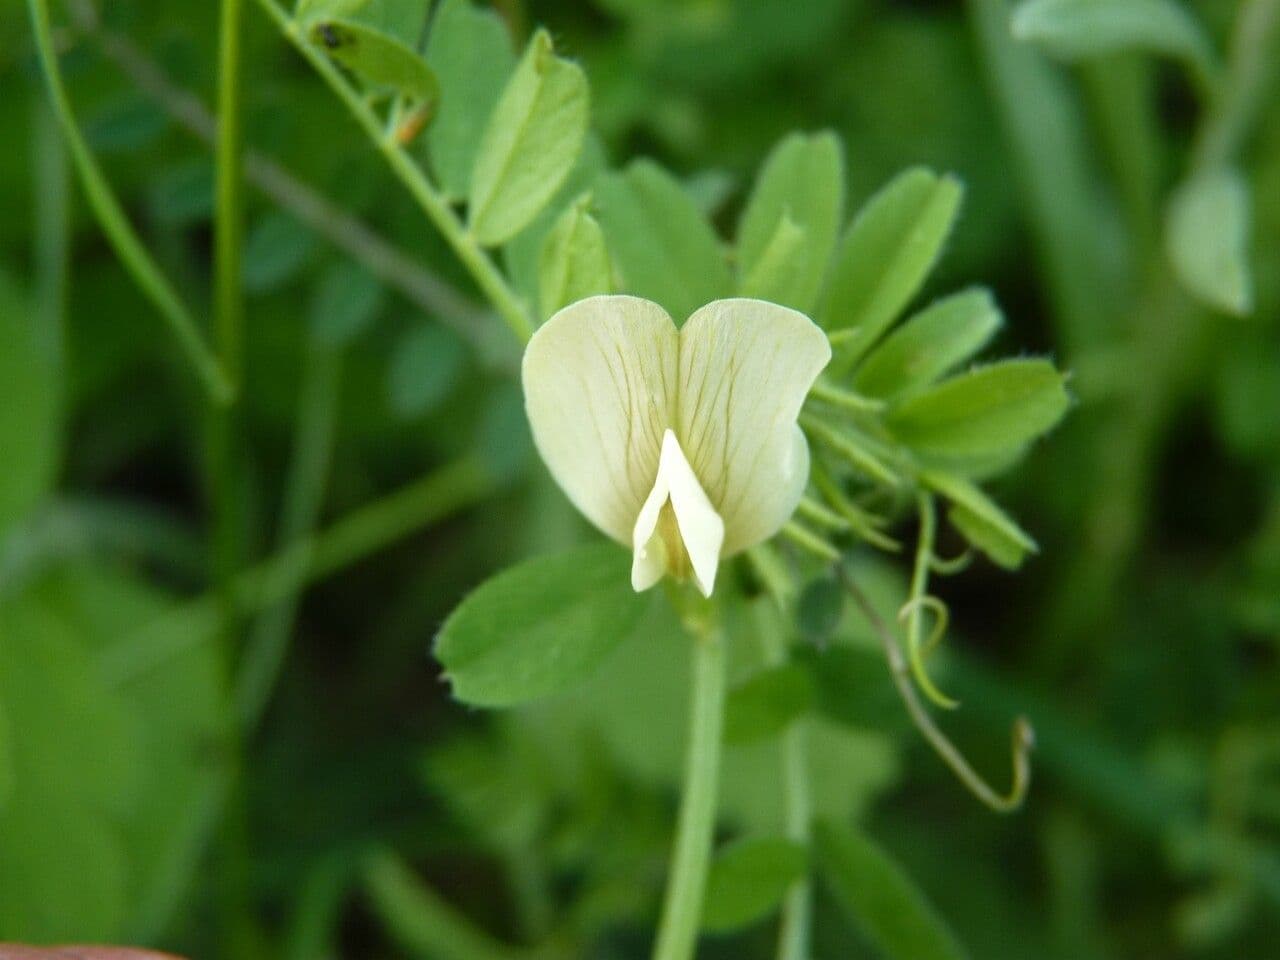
x=483, y=270
x=686, y=884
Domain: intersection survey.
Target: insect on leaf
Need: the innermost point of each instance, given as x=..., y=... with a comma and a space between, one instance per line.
x=377, y=58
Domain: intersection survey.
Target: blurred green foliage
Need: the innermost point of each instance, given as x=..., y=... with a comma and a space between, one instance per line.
x=365, y=813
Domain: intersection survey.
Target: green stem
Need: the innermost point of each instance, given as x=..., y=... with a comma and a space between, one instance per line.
x=363, y=532
x=797, y=908
x=1022, y=739
x=918, y=600
x=486, y=274
x=695, y=831
x=52, y=236
x=423, y=923
x=229, y=205
x=304, y=490
x=235, y=899
x=115, y=225
x=1252, y=65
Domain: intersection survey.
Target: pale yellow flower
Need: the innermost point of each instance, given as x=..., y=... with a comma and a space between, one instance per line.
x=679, y=443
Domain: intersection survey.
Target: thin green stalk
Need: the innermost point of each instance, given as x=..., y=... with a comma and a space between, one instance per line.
x=1022, y=739
x=115, y=225
x=423, y=923
x=1252, y=66
x=918, y=599
x=486, y=274
x=240, y=937
x=695, y=830
x=228, y=225
x=797, y=908
x=51, y=177
x=361, y=533
x=1170, y=339
x=268, y=641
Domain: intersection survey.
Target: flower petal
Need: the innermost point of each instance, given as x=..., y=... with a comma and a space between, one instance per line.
x=745, y=369
x=599, y=382
x=699, y=527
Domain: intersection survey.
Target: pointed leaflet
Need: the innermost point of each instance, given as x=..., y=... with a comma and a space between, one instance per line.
x=885, y=257
x=530, y=143
x=574, y=263
x=933, y=342
x=539, y=627
x=1207, y=237
x=801, y=184
x=470, y=51
x=984, y=412
x=662, y=246
x=981, y=521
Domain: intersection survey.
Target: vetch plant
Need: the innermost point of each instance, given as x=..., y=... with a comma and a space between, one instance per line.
x=749, y=456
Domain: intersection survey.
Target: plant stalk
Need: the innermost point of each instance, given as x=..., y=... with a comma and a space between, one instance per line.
x=695, y=831
x=483, y=270
x=110, y=215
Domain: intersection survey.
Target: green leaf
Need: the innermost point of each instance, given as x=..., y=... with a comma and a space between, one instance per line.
x=277, y=249
x=932, y=343
x=819, y=609
x=1082, y=29
x=574, y=262
x=981, y=521
x=984, y=412
x=74, y=762
x=885, y=256
x=6, y=759
x=347, y=300
x=852, y=686
x=29, y=412
x=532, y=139
x=881, y=899
x=427, y=364
x=539, y=627
x=766, y=704
x=522, y=254
x=800, y=185
x=749, y=880
x=178, y=717
x=776, y=268
x=471, y=54
x=662, y=246
x=377, y=58
x=1208, y=239
x=306, y=10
